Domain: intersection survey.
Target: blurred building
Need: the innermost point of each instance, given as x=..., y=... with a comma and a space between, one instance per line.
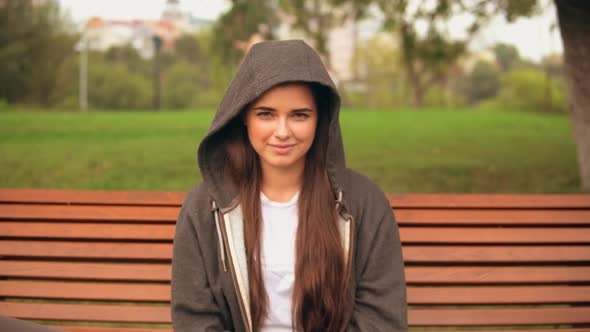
x=102, y=34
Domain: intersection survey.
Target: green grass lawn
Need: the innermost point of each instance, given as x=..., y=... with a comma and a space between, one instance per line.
x=403, y=151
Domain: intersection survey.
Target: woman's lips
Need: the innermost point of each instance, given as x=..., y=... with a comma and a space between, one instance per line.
x=281, y=148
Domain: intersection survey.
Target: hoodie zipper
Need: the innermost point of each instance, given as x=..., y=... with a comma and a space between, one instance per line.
x=351, y=228
x=232, y=268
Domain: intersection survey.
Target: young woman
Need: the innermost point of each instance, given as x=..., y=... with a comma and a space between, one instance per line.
x=280, y=235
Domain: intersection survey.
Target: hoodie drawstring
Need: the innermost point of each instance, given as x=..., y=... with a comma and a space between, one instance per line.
x=219, y=236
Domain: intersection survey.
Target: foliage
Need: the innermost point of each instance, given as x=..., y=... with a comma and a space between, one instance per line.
x=430, y=55
x=483, y=82
x=531, y=90
x=114, y=86
x=34, y=43
x=507, y=56
x=245, y=18
x=380, y=76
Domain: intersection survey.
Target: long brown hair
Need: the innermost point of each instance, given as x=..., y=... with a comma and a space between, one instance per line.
x=320, y=301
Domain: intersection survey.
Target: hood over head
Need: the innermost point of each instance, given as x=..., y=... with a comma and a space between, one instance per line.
x=268, y=64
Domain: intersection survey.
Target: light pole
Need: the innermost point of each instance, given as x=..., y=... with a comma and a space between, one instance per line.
x=157, y=40
x=83, y=84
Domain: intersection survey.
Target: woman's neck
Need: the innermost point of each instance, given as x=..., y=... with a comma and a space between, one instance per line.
x=280, y=185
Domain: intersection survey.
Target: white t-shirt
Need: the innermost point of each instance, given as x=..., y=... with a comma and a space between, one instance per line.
x=278, y=260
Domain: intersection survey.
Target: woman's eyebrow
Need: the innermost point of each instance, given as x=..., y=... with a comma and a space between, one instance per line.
x=267, y=108
x=264, y=108
x=303, y=109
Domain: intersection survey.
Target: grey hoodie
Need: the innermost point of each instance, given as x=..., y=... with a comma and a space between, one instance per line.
x=209, y=272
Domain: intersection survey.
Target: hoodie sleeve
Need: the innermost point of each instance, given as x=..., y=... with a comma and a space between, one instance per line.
x=380, y=298
x=193, y=305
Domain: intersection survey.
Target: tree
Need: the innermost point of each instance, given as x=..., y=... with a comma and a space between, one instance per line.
x=428, y=56
x=481, y=83
x=187, y=48
x=238, y=24
x=526, y=90
x=507, y=56
x=575, y=32
x=35, y=40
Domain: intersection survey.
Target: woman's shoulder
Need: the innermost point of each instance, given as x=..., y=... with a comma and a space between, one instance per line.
x=362, y=195
x=197, y=199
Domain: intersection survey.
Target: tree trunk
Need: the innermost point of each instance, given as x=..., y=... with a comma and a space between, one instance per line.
x=575, y=32
x=409, y=59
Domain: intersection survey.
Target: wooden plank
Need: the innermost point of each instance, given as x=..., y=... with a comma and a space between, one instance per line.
x=72, y=328
x=397, y=200
x=114, y=197
x=92, y=271
x=85, y=290
x=552, y=329
x=414, y=274
x=416, y=317
x=90, y=212
x=71, y=230
x=496, y=274
x=494, y=254
x=493, y=217
x=507, y=330
x=416, y=295
x=90, y=250
x=408, y=234
x=492, y=235
x=87, y=312
x=498, y=294
x=498, y=316
x=404, y=216
x=448, y=200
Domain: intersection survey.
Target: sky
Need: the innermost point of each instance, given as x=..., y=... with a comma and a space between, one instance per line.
x=532, y=36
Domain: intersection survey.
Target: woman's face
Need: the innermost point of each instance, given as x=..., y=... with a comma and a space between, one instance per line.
x=281, y=125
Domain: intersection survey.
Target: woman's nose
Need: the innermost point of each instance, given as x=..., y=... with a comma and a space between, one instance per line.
x=282, y=129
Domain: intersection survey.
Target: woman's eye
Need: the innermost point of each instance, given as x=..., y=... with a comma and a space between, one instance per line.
x=301, y=116
x=264, y=115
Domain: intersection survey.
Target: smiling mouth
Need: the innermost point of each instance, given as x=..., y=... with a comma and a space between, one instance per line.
x=281, y=148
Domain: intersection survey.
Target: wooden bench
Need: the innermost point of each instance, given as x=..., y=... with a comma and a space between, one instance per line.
x=90, y=261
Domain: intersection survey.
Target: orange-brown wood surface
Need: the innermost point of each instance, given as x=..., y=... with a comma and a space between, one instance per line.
x=83, y=270
x=416, y=295
x=488, y=253
x=90, y=212
x=496, y=274
x=494, y=216
x=498, y=316
x=87, y=312
x=74, y=249
x=134, y=231
x=86, y=230
x=481, y=201
x=163, y=251
x=85, y=290
x=414, y=274
x=404, y=216
x=518, y=253
x=117, y=197
x=70, y=328
x=418, y=317
x=396, y=200
x=526, y=294
x=478, y=235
